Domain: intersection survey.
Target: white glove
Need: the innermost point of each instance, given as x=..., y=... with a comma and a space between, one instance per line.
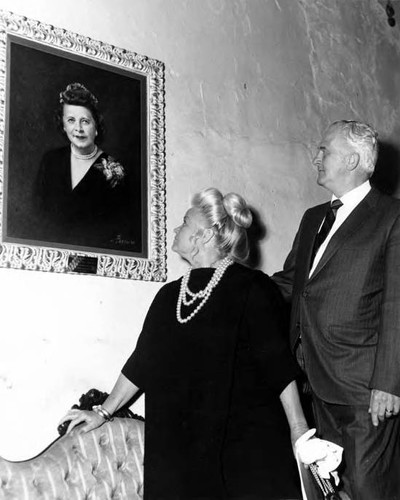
x=325, y=454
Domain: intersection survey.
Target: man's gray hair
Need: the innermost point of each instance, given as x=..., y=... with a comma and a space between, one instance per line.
x=363, y=138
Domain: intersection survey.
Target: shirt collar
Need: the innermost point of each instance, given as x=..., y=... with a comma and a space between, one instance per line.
x=353, y=197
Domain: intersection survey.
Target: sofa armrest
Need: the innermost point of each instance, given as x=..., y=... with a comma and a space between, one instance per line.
x=103, y=464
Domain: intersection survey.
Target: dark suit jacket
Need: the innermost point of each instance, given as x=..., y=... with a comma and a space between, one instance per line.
x=348, y=311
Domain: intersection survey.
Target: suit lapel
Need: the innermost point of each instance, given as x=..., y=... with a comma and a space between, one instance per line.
x=357, y=218
x=311, y=227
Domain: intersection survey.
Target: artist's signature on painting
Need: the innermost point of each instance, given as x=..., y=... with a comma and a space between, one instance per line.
x=119, y=240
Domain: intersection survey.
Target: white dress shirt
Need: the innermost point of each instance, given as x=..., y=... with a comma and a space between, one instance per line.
x=350, y=200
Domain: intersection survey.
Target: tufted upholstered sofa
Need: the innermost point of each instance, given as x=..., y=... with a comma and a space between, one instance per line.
x=104, y=464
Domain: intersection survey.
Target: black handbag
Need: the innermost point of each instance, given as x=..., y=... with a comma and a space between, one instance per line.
x=325, y=485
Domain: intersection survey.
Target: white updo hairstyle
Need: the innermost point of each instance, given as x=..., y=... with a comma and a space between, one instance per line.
x=229, y=217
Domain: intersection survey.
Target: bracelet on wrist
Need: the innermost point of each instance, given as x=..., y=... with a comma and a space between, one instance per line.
x=102, y=412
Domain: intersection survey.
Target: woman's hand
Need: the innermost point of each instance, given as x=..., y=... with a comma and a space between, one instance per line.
x=123, y=391
x=87, y=420
x=324, y=454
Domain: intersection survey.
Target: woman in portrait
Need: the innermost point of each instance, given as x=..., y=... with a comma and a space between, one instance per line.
x=222, y=407
x=82, y=189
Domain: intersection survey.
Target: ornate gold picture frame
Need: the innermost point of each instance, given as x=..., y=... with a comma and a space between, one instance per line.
x=112, y=223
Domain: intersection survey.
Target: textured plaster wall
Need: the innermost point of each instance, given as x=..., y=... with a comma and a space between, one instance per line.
x=250, y=86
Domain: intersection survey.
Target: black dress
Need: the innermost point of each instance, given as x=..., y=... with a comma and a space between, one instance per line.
x=215, y=427
x=95, y=213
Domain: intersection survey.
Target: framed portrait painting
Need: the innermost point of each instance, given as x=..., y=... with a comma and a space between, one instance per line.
x=82, y=154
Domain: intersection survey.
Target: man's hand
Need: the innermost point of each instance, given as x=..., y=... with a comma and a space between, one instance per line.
x=383, y=405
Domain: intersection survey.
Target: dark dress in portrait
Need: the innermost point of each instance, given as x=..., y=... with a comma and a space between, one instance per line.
x=215, y=427
x=96, y=213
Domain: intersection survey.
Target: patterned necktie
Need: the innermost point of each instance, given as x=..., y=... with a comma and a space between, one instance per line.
x=326, y=226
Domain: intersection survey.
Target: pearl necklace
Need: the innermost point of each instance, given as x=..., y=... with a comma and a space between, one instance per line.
x=85, y=157
x=187, y=297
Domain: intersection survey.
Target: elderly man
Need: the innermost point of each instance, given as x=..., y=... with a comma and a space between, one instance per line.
x=343, y=279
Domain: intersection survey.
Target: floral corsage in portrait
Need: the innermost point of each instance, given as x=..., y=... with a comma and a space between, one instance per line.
x=112, y=170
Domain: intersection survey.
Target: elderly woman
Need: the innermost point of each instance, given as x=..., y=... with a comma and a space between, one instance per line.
x=216, y=370
x=81, y=187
